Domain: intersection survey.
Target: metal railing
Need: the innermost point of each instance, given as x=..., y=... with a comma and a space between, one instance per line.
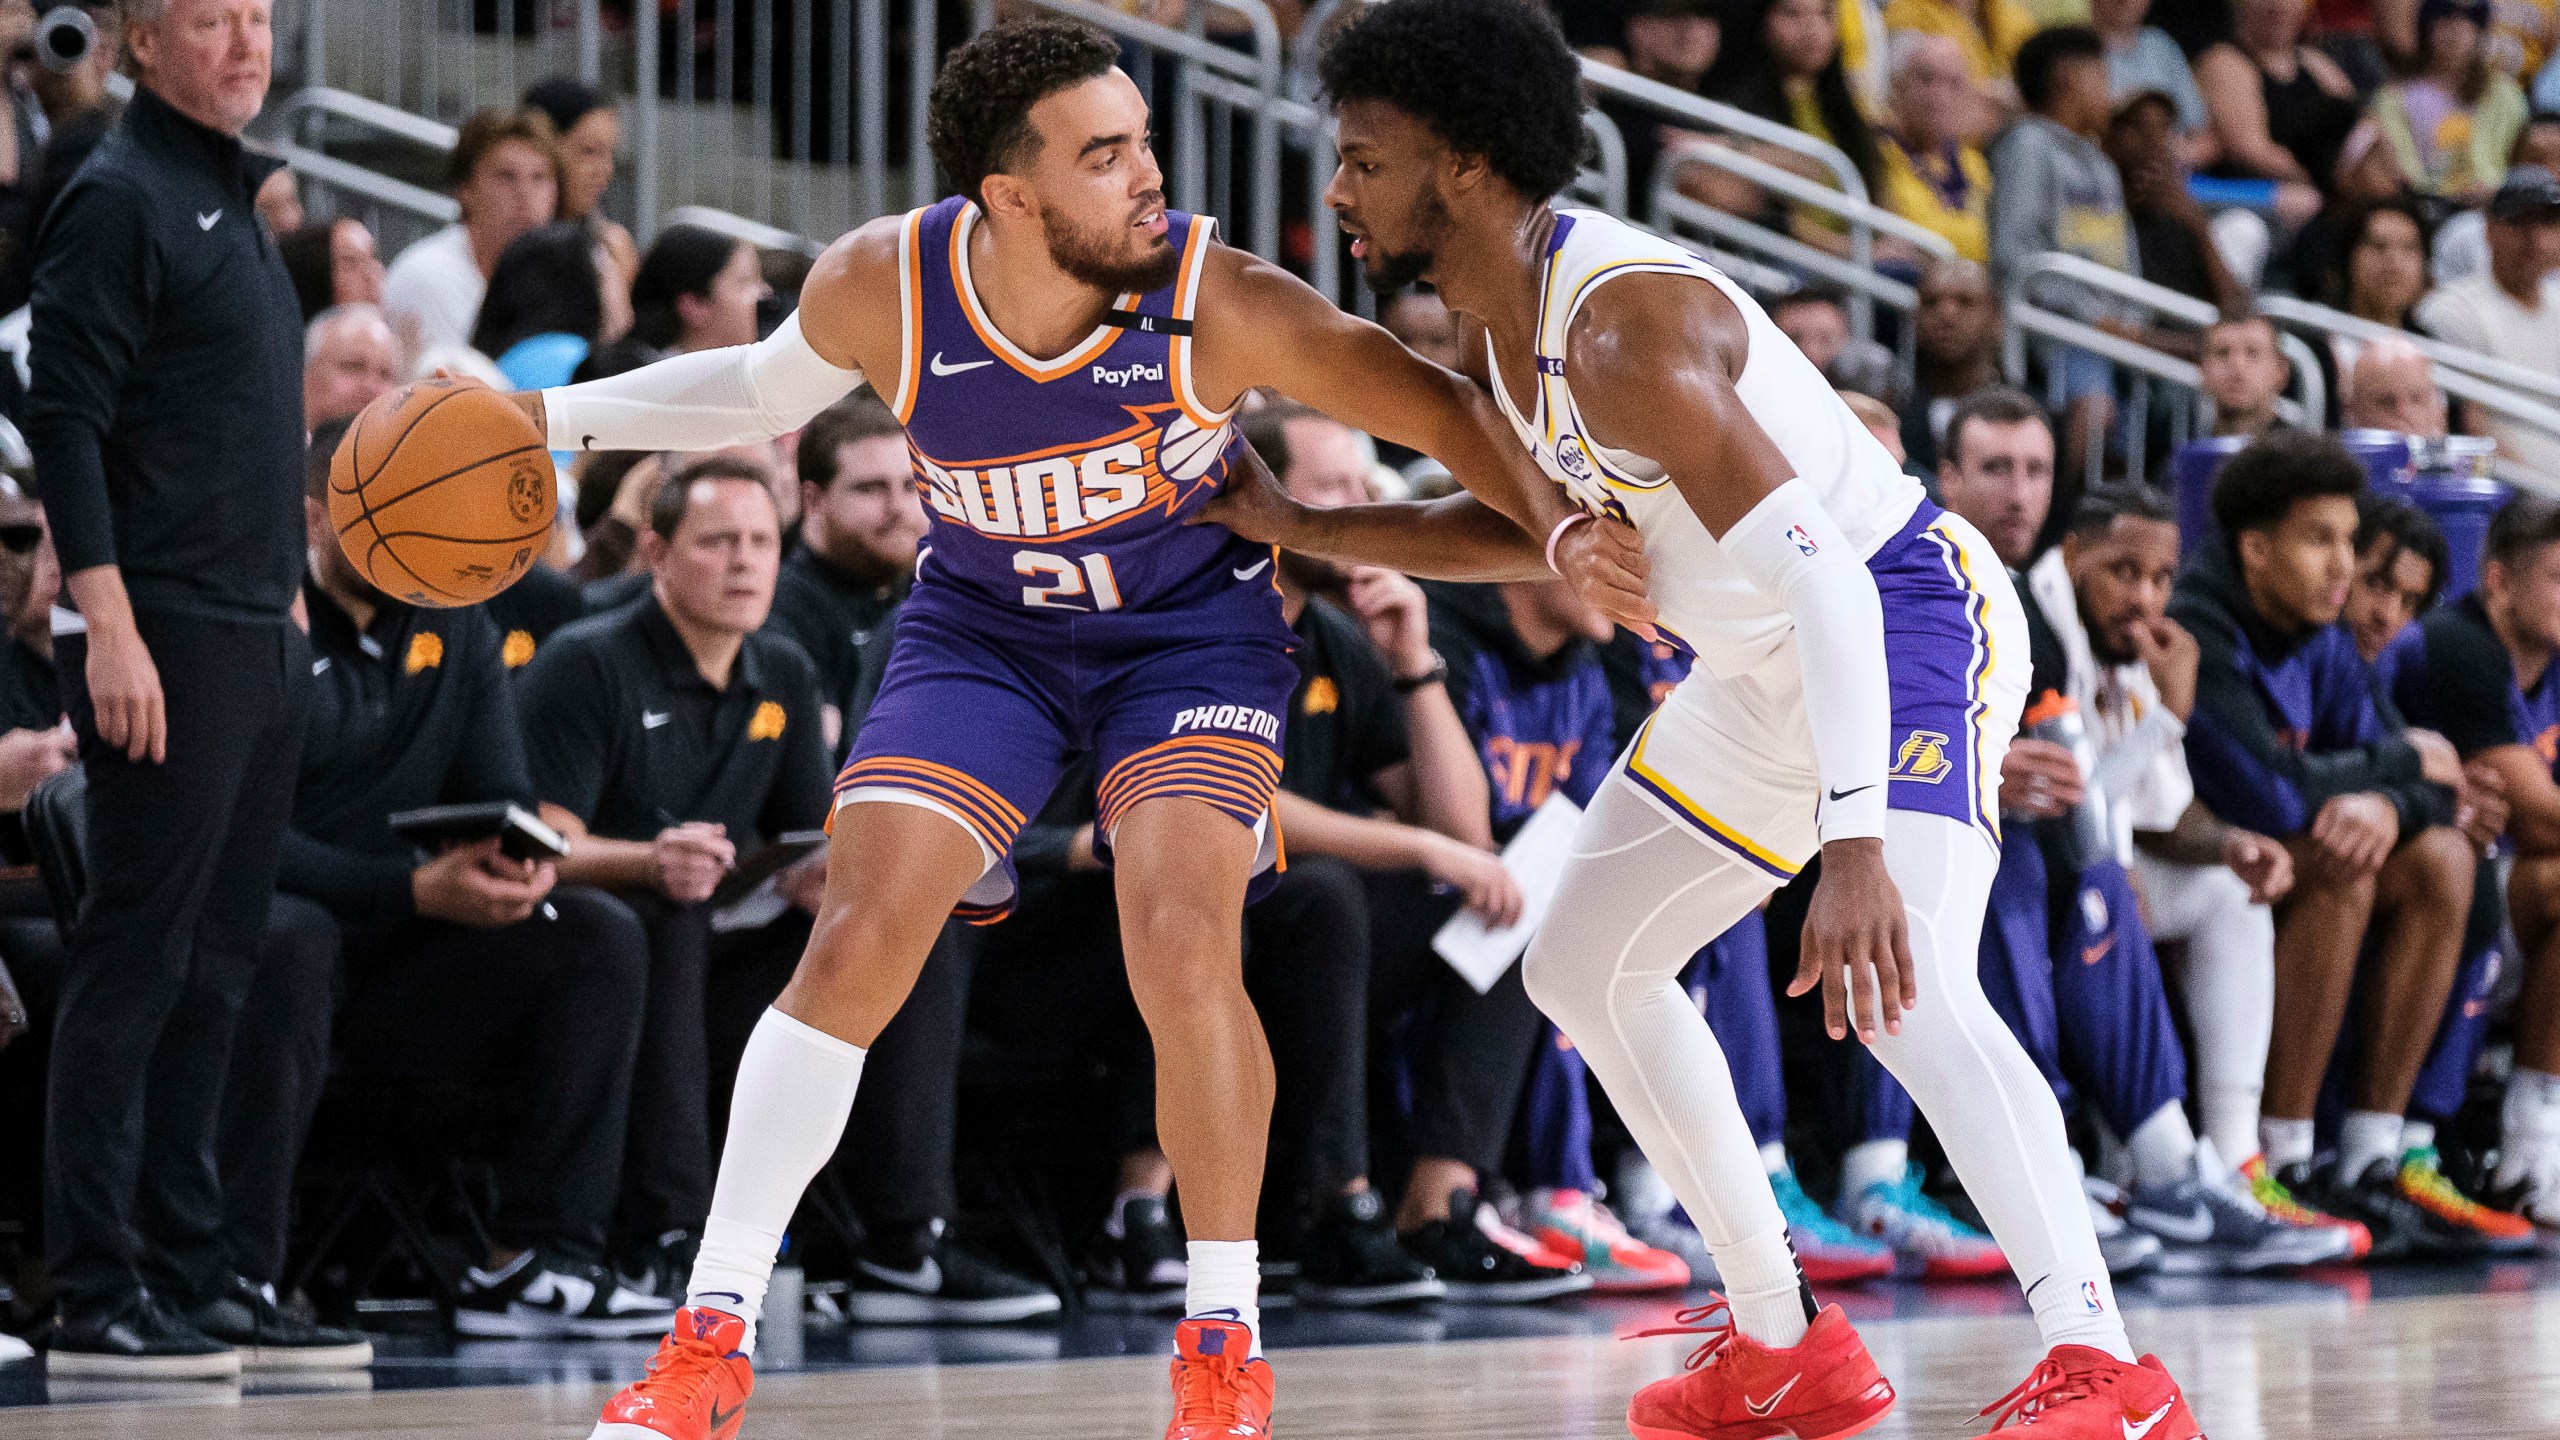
x=1844, y=199
x=2030, y=319
x=2503, y=382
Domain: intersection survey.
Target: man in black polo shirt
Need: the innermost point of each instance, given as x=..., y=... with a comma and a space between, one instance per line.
x=467, y=969
x=671, y=739
x=860, y=521
x=166, y=419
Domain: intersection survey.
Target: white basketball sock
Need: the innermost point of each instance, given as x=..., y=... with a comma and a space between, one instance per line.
x=2284, y=1142
x=2528, y=1125
x=2228, y=981
x=1870, y=1163
x=795, y=1088
x=1226, y=1276
x=2364, y=1137
x=2164, y=1147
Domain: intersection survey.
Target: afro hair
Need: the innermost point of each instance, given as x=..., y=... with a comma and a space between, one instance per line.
x=1491, y=77
x=978, y=118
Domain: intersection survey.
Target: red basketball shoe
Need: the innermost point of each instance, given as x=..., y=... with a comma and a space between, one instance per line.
x=697, y=1386
x=2077, y=1393
x=1218, y=1392
x=1823, y=1387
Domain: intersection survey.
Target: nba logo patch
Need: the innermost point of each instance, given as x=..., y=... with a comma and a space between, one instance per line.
x=1803, y=542
x=2089, y=1297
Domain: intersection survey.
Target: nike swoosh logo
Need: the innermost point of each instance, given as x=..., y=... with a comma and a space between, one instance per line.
x=1845, y=794
x=320, y=666
x=652, y=719
x=1761, y=1409
x=1256, y=568
x=721, y=1419
x=2135, y=1430
x=2193, y=1228
x=939, y=368
x=207, y=222
x=2092, y=954
x=924, y=1279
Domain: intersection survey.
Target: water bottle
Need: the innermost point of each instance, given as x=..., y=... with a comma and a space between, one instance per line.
x=2089, y=831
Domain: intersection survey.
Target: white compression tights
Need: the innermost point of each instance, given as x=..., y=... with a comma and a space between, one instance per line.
x=1638, y=898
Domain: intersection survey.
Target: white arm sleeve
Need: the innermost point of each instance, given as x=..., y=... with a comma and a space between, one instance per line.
x=704, y=401
x=1794, y=553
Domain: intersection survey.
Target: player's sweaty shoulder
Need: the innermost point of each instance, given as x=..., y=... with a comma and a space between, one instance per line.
x=849, y=304
x=1634, y=334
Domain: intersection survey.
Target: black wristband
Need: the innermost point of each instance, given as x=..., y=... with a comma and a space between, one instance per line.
x=1439, y=672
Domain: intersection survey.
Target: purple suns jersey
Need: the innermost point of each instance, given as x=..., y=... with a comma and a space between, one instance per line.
x=1059, y=489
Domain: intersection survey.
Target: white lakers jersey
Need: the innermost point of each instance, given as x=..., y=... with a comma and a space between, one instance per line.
x=1703, y=599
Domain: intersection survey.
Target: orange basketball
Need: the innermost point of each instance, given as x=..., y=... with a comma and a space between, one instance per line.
x=442, y=493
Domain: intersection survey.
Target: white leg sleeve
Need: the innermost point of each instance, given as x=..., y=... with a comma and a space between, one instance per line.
x=1985, y=1099
x=795, y=1089
x=2228, y=979
x=1638, y=898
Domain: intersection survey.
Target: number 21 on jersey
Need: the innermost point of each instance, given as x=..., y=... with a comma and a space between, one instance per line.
x=1068, y=580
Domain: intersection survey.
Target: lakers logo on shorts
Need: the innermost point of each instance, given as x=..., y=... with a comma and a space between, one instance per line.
x=1923, y=757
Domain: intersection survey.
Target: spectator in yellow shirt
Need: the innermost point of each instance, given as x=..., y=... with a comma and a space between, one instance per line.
x=1989, y=33
x=1932, y=174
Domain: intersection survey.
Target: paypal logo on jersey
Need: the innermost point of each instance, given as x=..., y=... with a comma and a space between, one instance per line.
x=1803, y=541
x=1128, y=374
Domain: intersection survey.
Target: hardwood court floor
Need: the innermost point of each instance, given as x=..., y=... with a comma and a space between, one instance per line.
x=2449, y=1366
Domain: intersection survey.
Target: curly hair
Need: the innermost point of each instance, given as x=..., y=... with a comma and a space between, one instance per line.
x=1490, y=77
x=978, y=118
x=2258, y=487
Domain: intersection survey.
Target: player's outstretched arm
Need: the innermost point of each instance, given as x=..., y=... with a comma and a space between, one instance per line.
x=1273, y=330
x=1651, y=361
x=846, y=326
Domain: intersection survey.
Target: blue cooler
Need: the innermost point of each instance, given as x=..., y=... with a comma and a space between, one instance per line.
x=2193, y=466
x=2449, y=479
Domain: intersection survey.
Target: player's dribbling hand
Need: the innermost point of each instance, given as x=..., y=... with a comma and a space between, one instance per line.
x=2263, y=865
x=1604, y=562
x=1482, y=881
x=1856, y=939
x=691, y=860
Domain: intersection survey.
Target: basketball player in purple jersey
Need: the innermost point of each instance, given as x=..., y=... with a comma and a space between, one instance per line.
x=1065, y=353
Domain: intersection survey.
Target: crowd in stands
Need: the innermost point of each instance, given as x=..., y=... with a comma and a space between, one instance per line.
x=2273, y=990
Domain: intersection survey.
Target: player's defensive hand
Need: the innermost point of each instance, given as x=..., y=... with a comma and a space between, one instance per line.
x=1604, y=562
x=2263, y=865
x=691, y=858
x=1252, y=502
x=1482, y=881
x=1857, y=944
x=479, y=885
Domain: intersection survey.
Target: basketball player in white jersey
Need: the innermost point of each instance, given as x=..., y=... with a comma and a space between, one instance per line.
x=1862, y=661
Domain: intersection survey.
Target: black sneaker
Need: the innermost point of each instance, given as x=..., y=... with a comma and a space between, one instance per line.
x=661, y=1267
x=541, y=1298
x=1474, y=1268
x=1143, y=1269
x=923, y=1278
x=269, y=1337
x=2402, y=1228
x=1351, y=1259
x=137, y=1339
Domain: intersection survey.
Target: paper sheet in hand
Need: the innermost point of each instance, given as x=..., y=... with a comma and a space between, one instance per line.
x=1535, y=857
